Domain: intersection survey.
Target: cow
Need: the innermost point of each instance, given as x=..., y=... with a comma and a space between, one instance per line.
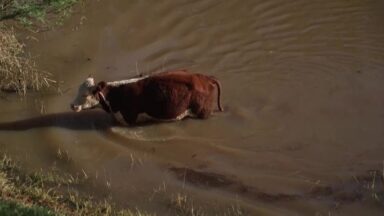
x=165, y=96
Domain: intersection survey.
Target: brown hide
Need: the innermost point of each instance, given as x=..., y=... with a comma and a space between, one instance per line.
x=162, y=96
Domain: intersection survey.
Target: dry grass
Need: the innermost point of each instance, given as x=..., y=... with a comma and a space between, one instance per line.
x=183, y=205
x=18, y=72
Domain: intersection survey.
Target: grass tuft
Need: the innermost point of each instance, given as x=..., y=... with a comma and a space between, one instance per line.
x=182, y=205
x=13, y=208
x=29, y=12
x=19, y=73
x=48, y=193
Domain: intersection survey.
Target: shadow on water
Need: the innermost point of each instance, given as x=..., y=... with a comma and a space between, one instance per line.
x=87, y=120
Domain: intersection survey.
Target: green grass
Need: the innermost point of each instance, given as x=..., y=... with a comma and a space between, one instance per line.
x=49, y=193
x=30, y=12
x=14, y=209
x=53, y=192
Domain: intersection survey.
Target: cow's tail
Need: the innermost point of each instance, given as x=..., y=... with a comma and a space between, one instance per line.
x=218, y=85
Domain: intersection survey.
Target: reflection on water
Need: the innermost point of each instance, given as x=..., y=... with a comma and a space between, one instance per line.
x=302, y=86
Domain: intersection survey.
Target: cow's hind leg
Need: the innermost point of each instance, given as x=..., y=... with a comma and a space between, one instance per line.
x=202, y=105
x=200, y=111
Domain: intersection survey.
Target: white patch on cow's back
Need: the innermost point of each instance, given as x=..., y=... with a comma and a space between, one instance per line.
x=122, y=82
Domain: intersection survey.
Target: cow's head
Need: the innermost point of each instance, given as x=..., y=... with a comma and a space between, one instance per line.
x=85, y=98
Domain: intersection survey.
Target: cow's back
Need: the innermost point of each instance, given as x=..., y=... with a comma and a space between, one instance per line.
x=194, y=81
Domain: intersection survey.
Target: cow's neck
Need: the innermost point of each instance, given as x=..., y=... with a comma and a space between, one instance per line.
x=103, y=100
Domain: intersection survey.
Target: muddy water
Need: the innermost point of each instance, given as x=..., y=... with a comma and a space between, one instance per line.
x=302, y=87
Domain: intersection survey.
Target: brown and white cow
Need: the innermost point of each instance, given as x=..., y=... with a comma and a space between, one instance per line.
x=165, y=96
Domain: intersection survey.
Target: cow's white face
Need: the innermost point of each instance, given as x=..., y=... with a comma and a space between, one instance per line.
x=85, y=99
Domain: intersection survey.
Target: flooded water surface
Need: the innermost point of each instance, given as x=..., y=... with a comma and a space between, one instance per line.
x=303, y=127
